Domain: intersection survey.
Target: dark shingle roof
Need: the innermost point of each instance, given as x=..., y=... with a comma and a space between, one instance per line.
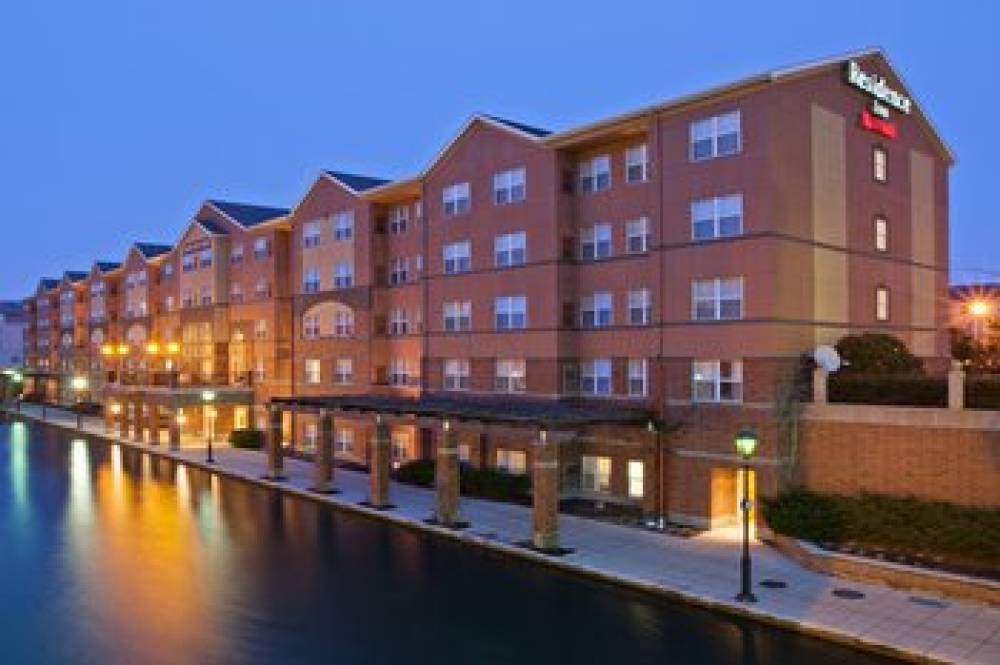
x=75, y=275
x=49, y=283
x=537, y=132
x=151, y=250
x=212, y=227
x=358, y=183
x=248, y=214
x=107, y=266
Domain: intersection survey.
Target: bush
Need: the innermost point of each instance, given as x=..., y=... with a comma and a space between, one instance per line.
x=960, y=535
x=905, y=390
x=877, y=353
x=482, y=483
x=250, y=439
x=982, y=392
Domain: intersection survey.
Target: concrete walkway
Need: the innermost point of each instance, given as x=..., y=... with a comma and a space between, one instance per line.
x=702, y=569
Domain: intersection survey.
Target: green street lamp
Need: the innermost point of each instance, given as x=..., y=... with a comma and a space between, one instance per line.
x=746, y=443
x=208, y=398
x=79, y=386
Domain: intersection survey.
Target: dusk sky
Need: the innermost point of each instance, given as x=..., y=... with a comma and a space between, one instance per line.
x=118, y=118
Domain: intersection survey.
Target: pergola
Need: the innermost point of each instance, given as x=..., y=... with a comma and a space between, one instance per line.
x=551, y=422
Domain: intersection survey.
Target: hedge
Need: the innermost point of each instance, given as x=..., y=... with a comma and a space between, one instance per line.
x=252, y=439
x=483, y=483
x=891, y=389
x=982, y=392
x=957, y=534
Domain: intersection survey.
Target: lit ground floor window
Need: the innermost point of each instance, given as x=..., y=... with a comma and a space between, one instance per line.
x=400, y=446
x=636, y=479
x=596, y=474
x=512, y=461
x=464, y=452
x=344, y=440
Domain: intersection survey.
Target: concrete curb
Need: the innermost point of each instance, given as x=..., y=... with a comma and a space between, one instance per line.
x=590, y=572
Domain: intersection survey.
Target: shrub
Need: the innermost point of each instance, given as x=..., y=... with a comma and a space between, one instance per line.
x=910, y=526
x=905, y=390
x=251, y=438
x=483, y=483
x=877, y=353
x=982, y=392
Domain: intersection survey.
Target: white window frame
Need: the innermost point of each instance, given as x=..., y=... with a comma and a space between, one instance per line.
x=343, y=225
x=312, y=371
x=595, y=474
x=594, y=174
x=457, y=315
x=597, y=310
x=343, y=275
x=311, y=233
x=457, y=257
x=456, y=199
x=708, y=381
x=708, y=297
x=880, y=164
x=456, y=374
x=709, y=129
x=509, y=186
x=311, y=280
x=638, y=377
x=636, y=479
x=881, y=233
x=596, y=377
x=510, y=375
x=399, y=218
x=637, y=236
x=510, y=312
x=596, y=242
x=640, y=308
x=343, y=371
x=637, y=163
x=713, y=211
x=510, y=249
x=883, y=303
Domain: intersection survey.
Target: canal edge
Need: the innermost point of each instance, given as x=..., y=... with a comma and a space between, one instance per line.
x=579, y=569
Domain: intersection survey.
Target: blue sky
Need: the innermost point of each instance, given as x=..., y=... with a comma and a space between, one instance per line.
x=118, y=117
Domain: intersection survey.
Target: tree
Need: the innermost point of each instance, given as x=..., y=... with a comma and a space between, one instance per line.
x=877, y=353
x=977, y=355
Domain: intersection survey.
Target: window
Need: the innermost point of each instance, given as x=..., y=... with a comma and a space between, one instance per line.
x=260, y=329
x=879, y=164
x=456, y=199
x=311, y=437
x=596, y=476
x=510, y=312
x=399, y=372
x=399, y=323
x=717, y=299
x=457, y=257
x=310, y=326
x=261, y=248
x=343, y=275
x=456, y=374
x=638, y=377
x=881, y=234
x=639, y=308
x=595, y=377
x=235, y=255
x=398, y=218
x=596, y=311
x=310, y=234
x=343, y=225
x=595, y=242
x=882, y=303
x=636, y=164
x=458, y=315
x=717, y=136
x=187, y=298
x=509, y=249
x=312, y=368
x=343, y=323
x=464, y=453
x=595, y=174
x=168, y=272
x=717, y=217
x=343, y=371
x=399, y=270
x=399, y=447
x=236, y=293
x=636, y=479
x=263, y=288
x=343, y=441
x=187, y=265
x=637, y=236
x=310, y=280
x=512, y=461
x=259, y=373
x=206, y=296
x=205, y=259
x=508, y=186
x=510, y=376
x=717, y=381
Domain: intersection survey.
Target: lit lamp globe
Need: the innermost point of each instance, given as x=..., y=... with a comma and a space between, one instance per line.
x=746, y=443
x=79, y=383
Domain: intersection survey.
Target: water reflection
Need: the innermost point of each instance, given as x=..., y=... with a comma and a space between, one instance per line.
x=146, y=561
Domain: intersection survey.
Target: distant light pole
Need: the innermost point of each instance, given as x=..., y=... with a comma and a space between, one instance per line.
x=746, y=443
x=79, y=386
x=208, y=398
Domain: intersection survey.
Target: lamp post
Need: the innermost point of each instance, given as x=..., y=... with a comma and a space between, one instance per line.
x=979, y=309
x=79, y=385
x=208, y=398
x=746, y=443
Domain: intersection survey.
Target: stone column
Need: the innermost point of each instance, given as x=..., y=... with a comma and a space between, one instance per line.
x=378, y=472
x=446, y=478
x=323, y=463
x=174, y=430
x=275, y=461
x=956, y=386
x=820, y=382
x=545, y=493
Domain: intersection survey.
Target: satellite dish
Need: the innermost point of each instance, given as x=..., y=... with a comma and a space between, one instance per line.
x=827, y=357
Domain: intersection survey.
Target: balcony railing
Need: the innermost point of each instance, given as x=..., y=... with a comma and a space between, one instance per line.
x=174, y=379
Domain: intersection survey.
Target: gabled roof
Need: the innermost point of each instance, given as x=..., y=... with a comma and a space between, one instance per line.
x=48, y=283
x=150, y=250
x=107, y=266
x=537, y=132
x=354, y=182
x=247, y=215
x=74, y=276
x=211, y=227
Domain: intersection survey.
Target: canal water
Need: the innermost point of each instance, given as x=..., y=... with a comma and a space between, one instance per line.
x=108, y=555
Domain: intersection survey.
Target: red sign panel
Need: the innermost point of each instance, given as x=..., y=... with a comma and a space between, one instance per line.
x=875, y=124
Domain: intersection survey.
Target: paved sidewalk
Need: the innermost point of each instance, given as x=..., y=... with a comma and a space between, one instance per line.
x=703, y=569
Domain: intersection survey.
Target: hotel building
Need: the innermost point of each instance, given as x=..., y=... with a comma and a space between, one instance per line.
x=647, y=284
